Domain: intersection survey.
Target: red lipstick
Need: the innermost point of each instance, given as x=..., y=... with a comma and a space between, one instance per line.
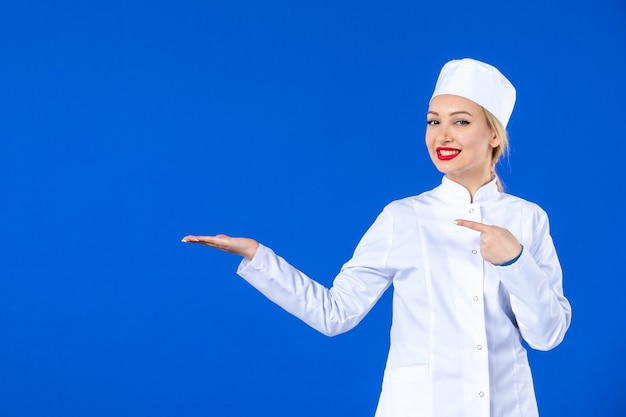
x=446, y=154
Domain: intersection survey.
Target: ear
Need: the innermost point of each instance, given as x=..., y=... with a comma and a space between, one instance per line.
x=495, y=142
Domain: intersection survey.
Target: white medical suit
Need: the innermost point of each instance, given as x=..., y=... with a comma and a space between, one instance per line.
x=458, y=321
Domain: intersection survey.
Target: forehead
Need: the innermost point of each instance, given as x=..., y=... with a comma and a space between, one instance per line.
x=447, y=103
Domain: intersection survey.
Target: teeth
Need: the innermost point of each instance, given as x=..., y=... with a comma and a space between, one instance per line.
x=448, y=153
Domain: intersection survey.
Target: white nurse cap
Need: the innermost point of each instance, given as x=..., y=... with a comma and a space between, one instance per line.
x=479, y=82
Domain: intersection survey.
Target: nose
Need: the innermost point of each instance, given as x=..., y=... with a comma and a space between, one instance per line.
x=443, y=135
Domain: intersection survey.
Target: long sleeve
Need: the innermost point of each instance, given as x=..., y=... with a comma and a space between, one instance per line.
x=355, y=290
x=534, y=283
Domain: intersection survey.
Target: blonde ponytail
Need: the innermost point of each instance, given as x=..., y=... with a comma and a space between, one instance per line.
x=503, y=145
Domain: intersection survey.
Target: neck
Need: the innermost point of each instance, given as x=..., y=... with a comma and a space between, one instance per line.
x=471, y=185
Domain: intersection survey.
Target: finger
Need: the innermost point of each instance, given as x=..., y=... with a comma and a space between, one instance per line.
x=479, y=227
x=208, y=240
x=190, y=239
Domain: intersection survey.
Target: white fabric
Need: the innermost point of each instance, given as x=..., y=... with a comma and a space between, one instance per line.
x=457, y=320
x=479, y=82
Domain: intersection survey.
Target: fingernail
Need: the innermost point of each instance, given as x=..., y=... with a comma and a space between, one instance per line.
x=183, y=240
x=455, y=222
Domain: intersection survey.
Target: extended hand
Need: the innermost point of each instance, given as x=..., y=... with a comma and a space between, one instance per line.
x=497, y=244
x=238, y=245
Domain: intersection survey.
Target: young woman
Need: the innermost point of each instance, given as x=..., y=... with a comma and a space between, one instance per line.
x=474, y=269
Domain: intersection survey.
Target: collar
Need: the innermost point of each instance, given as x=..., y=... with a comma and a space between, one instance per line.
x=451, y=190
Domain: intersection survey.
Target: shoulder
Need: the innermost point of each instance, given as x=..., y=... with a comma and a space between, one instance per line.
x=407, y=205
x=408, y=202
x=513, y=199
x=529, y=208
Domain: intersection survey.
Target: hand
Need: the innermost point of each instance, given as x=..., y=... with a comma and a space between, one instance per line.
x=497, y=244
x=238, y=245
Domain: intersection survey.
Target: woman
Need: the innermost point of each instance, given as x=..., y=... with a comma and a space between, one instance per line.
x=474, y=269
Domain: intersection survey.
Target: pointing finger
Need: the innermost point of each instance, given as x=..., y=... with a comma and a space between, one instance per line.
x=479, y=227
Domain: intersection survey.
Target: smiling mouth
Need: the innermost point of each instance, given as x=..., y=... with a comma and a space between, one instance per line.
x=445, y=154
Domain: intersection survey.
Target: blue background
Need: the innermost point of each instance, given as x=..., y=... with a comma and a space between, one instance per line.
x=125, y=125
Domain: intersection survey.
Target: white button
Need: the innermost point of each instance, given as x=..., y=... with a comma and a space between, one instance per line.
x=475, y=298
x=474, y=251
x=479, y=347
x=481, y=394
x=471, y=210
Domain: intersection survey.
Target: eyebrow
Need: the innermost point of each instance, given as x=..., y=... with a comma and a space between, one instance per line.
x=451, y=114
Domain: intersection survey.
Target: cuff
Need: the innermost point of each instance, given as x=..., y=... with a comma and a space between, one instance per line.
x=512, y=261
x=254, y=263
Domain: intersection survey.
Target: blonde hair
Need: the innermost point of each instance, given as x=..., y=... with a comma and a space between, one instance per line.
x=503, y=144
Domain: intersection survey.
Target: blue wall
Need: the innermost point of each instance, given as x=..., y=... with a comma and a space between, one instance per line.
x=125, y=125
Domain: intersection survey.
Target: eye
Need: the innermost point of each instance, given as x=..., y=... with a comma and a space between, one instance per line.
x=432, y=122
x=461, y=122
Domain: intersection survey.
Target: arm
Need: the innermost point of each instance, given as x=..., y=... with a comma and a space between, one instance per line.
x=535, y=285
x=534, y=280
x=330, y=311
x=355, y=290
